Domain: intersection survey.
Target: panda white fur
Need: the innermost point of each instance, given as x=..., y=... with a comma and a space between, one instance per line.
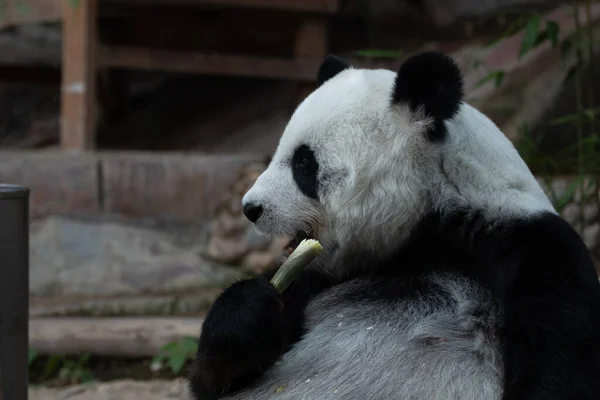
x=447, y=274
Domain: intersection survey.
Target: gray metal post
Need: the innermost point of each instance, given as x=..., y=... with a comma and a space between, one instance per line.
x=14, y=292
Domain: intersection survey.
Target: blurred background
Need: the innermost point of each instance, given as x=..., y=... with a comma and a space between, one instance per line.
x=139, y=125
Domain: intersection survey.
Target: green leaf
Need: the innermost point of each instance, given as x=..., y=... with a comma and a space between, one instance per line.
x=513, y=28
x=476, y=63
x=571, y=73
x=83, y=359
x=158, y=359
x=32, y=356
x=189, y=345
x=563, y=120
x=591, y=114
x=64, y=373
x=52, y=366
x=565, y=48
x=530, y=36
x=379, y=53
x=177, y=362
x=86, y=377
x=497, y=76
x=75, y=3
x=552, y=29
x=170, y=348
x=569, y=193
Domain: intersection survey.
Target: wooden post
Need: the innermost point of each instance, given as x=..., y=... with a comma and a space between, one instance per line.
x=14, y=292
x=311, y=44
x=79, y=63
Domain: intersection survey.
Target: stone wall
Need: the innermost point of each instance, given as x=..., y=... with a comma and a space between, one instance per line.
x=128, y=233
x=170, y=186
x=148, y=262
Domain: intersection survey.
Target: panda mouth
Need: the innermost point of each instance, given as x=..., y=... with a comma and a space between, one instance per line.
x=293, y=244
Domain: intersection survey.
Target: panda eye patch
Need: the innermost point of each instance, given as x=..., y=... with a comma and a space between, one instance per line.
x=305, y=169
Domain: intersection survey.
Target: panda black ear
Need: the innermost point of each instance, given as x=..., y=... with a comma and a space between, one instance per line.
x=430, y=80
x=331, y=66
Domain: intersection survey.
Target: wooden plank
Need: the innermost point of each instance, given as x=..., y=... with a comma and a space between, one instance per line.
x=318, y=6
x=311, y=39
x=311, y=44
x=206, y=63
x=79, y=71
x=112, y=337
x=14, y=291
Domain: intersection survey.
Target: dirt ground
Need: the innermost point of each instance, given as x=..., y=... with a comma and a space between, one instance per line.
x=116, y=390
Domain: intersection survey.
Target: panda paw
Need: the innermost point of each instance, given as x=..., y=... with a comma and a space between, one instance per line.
x=244, y=333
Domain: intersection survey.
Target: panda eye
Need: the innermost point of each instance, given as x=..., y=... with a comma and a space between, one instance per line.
x=305, y=170
x=304, y=161
x=301, y=164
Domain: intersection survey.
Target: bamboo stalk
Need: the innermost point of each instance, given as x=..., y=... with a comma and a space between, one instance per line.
x=289, y=271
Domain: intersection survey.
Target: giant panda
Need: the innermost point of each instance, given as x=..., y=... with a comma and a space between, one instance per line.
x=447, y=273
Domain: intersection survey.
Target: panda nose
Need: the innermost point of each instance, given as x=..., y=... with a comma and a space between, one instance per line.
x=252, y=211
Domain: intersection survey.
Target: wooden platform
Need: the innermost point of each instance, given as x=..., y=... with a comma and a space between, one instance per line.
x=109, y=337
x=83, y=56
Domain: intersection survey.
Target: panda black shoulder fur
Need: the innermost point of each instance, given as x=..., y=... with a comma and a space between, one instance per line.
x=447, y=274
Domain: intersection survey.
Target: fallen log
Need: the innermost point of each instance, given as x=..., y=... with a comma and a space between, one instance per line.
x=123, y=337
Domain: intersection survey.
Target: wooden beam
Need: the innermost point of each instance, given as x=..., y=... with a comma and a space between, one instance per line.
x=311, y=39
x=112, y=337
x=209, y=64
x=311, y=45
x=79, y=69
x=317, y=6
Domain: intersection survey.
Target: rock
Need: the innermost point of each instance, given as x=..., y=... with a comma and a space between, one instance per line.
x=561, y=188
x=227, y=250
x=116, y=390
x=230, y=224
x=99, y=265
x=258, y=262
x=571, y=213
x=233, y=239
x=590, y=235
x=168, y=186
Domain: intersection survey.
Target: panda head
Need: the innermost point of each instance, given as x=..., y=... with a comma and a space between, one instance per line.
x=369, y=153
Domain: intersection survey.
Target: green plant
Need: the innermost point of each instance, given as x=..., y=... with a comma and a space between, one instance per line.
x=32, y=356
x=73, y=372
x=379, y=53
x=175, y=354
x=60, y=369
x=577, y=55
x=582, y=157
